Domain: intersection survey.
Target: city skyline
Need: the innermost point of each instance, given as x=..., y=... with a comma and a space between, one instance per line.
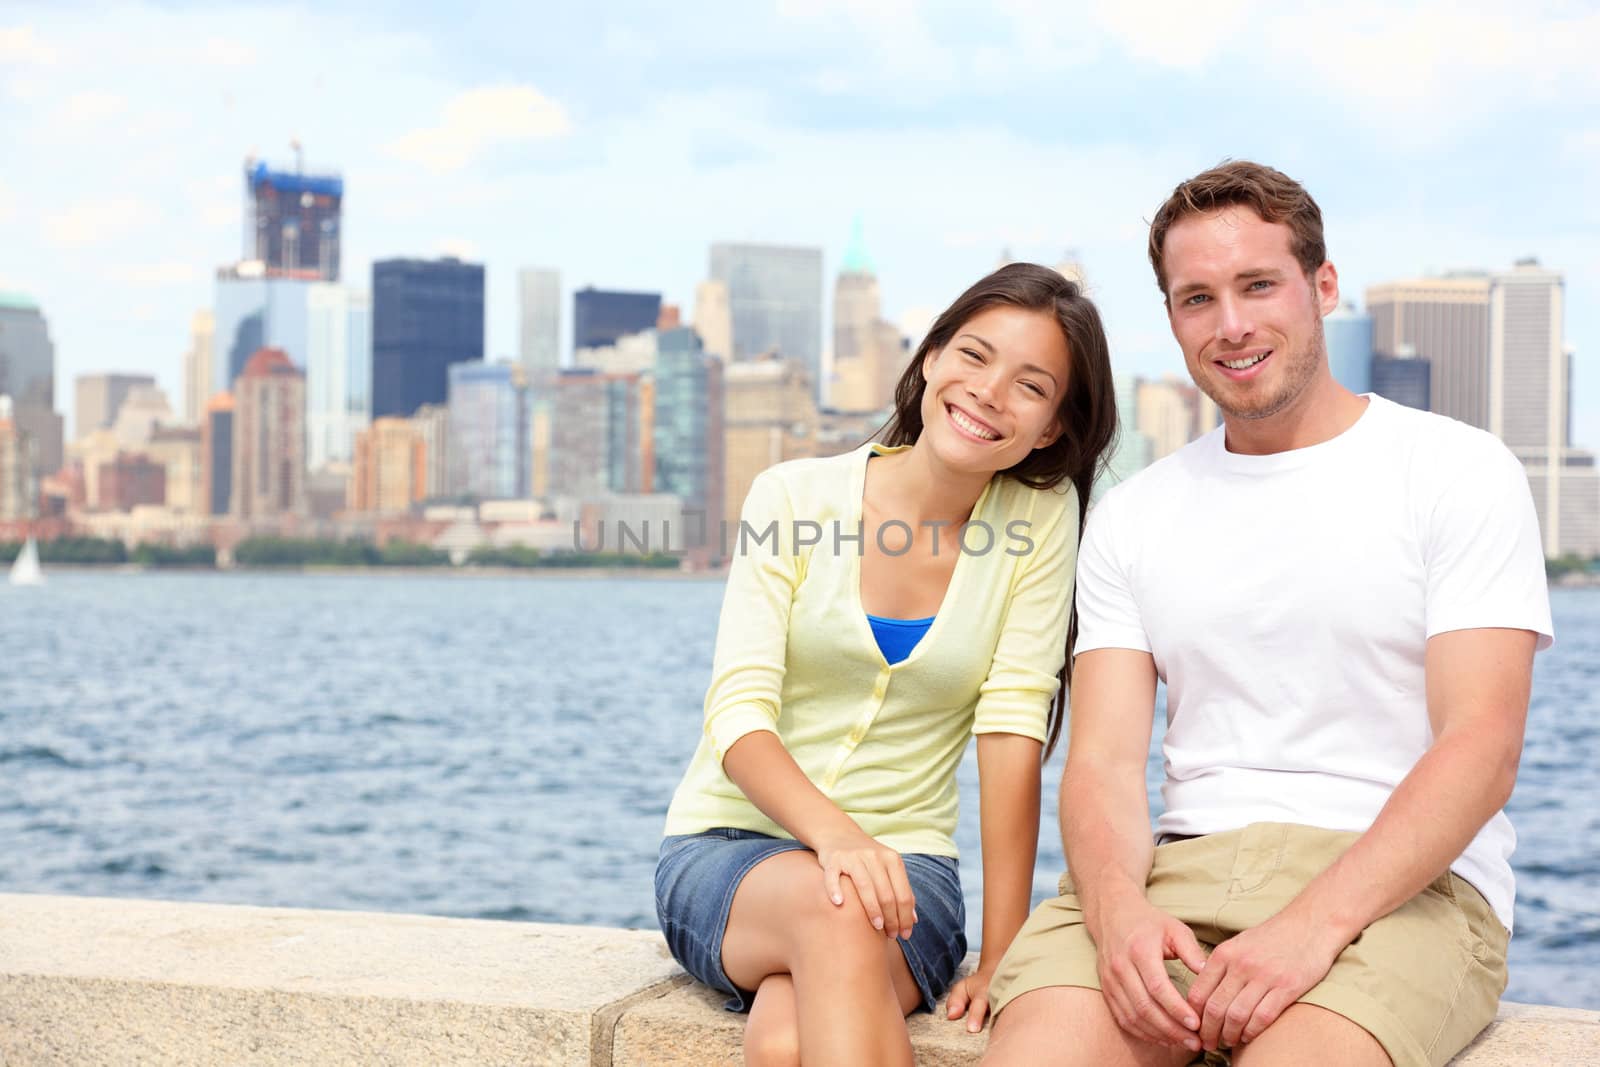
x=1433, y=139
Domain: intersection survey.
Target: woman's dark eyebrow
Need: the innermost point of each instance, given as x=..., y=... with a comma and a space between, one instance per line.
x=978, y=339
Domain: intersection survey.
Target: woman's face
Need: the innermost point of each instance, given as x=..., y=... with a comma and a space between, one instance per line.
x=993, y=391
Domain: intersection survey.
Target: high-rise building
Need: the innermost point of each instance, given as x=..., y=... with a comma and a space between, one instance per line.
x=178, y=449
x=489, y=450
x=1529, y=393
x=1445, y=321
x=269, y=433
x=770, y=415
x=1167, y=413
x=141, y=412
x=28, y=377
x=253, y=309
x=599, y=434
x=868, y=356
x=601, y=316
x=426, y=315
x=774, y=301
x=689, y=437
x=1404, y=377
x=539, y=297
x=1132, y=452
x=216, y=455
x=99, y=399
x=432, y=423
x=389, y=473
x=1348, y=334
x=338, y=366
x=18, y=487
x=713, y=319
x=293, y=223
x=198, y=384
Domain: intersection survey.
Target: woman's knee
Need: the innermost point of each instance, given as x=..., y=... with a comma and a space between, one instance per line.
x=772, y=1044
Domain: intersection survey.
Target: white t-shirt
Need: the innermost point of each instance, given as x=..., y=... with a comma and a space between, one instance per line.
x=1287, y=601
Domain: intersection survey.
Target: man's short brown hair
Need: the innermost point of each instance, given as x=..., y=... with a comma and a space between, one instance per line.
x=1273, y=195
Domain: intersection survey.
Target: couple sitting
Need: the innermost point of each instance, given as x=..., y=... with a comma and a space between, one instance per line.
x=1343, y=596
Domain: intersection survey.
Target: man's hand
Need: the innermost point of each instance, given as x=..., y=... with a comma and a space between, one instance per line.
x=879, y=876
x=970, y=996
x=1133, y=942
x=1252, y=977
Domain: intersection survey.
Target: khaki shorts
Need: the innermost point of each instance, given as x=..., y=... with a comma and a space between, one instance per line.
x=1423, y=980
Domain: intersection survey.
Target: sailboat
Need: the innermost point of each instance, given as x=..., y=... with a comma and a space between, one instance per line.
x=25, y=571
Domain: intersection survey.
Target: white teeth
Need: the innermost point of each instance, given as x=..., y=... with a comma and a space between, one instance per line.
x=1241, y=364
x=971, y=427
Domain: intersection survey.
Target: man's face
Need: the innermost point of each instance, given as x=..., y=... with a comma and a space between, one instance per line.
x=1247, y=318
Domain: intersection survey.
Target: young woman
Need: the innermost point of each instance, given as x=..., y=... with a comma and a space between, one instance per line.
x=881, y=607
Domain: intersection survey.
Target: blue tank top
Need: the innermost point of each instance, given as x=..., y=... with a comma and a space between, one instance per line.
x=897, y=637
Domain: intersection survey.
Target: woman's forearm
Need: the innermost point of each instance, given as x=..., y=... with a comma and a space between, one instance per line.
x=767, y=774
x=1008, y=789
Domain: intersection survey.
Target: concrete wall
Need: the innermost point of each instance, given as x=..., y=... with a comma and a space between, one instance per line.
x=92, y=981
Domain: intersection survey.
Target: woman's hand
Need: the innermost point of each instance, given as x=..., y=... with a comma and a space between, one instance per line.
x=879, y=877
x=970, y=997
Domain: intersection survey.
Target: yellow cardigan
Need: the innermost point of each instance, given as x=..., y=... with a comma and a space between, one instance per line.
x=795, y=654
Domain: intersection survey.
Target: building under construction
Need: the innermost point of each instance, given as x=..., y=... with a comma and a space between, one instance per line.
x=292, y=221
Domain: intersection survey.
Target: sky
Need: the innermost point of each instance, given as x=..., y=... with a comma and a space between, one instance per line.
x=615, y=142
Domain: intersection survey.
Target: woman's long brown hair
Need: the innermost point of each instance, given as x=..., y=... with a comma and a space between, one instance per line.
x=1088, y=410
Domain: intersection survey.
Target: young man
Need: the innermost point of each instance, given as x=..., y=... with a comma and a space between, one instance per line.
x=1344, y=597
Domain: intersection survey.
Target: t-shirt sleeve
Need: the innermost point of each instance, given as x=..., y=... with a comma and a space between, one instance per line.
x=1022, y=681
x=1484, y=555
x=1108, y=613
x=753, y=630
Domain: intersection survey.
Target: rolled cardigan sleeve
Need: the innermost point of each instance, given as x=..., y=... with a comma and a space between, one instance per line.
x=1015, y=697
x=753, y=630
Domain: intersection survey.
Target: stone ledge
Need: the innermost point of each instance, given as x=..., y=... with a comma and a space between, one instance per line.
x=96, y=981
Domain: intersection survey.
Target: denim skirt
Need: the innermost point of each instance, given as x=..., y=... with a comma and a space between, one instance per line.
x=698, y=874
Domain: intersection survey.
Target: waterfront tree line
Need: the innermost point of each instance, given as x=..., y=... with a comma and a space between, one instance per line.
x=318, y=552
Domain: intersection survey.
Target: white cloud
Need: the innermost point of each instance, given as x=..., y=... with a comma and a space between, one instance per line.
x=479, y=119
x=90, y=107
x=97, y=221
x=19, y=44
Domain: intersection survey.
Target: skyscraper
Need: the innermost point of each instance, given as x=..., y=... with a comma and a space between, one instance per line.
x=426, y=315
x=599, y=440
x=539, y=295
x=269, y=433
x=1528, y=383
x=1132, y=453
x=216, y=455
x=197, y=366
x=28, y=377
x=774, y=301
x=1405, y=378
x=252, y=310
x=713, y=319
x=688, y=427
x=770, y=415
x=1166, y=412
x=18, y=486
x=868, y=356
x=99, y=398
x=600, y=316
x=1349, y=338
x=1446, y=323
x=338, y=366
x=489, y=450
x=293, y=222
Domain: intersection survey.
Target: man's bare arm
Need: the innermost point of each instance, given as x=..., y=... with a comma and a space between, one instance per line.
x=1105, y=828
x=1478, y=684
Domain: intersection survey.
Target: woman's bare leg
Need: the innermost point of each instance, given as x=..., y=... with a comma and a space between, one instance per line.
x=849, y=984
